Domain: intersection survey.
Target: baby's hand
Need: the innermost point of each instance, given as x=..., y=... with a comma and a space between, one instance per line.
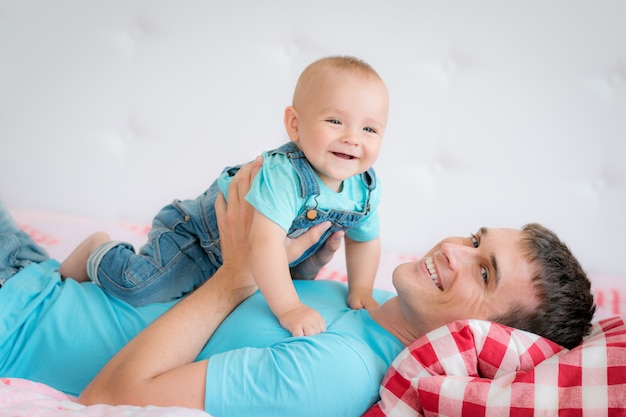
x=361, y=298
x=302, y=321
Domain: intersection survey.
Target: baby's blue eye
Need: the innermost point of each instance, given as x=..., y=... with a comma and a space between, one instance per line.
x=369, y=130
x=475, y=241
x=334, y=121
x=484, y=274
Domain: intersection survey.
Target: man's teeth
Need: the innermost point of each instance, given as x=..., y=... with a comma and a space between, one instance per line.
x=430, y=265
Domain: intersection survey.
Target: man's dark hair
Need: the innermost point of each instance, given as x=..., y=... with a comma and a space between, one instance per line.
x=566, y=305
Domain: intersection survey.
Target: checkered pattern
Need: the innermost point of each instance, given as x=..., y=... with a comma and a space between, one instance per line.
x=475, y=368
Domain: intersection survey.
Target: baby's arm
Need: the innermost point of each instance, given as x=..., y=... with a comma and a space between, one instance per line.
x=362, y=259
x=270, y=268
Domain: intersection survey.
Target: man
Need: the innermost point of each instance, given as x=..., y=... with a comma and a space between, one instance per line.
x=220, y=349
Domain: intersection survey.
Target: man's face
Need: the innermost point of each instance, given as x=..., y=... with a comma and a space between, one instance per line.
x=473, y=277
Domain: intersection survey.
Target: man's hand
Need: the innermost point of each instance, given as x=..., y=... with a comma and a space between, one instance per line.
x=234, y=221
x=309, y=268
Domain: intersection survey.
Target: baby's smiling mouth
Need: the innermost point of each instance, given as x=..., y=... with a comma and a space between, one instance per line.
x=430, y=265
x=343, y=155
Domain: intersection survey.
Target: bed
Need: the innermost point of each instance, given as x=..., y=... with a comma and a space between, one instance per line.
x=468, y=368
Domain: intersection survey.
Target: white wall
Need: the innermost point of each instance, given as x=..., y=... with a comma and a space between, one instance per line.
x=502, y=113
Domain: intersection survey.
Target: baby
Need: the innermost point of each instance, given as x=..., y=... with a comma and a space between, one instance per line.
x=324, y=173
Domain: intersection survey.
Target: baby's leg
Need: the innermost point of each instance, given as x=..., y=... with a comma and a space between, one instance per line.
x=75, y=265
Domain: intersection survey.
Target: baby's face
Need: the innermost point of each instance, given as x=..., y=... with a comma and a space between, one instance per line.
x=340, y=124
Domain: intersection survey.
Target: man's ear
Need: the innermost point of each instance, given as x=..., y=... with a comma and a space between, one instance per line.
x=291, y=123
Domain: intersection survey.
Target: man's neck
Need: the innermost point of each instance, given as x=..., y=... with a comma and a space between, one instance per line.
x=389, y=316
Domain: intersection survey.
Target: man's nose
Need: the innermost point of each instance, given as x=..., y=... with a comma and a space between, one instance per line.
x=456, y=254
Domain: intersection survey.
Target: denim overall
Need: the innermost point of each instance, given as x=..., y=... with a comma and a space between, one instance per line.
x=182, y=251
x=183, y=247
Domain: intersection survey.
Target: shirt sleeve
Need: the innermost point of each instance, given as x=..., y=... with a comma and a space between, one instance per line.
x=369, y=228
x=301, y=377
x=274, y=192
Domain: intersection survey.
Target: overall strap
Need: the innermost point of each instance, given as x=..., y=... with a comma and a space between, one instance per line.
x=306, y=175
x=369, y=179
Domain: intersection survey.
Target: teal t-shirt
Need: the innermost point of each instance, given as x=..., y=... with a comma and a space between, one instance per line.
x=61, y=333
x=264, y=371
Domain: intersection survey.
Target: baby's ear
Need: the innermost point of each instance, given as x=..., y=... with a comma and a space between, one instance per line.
x=291, y=123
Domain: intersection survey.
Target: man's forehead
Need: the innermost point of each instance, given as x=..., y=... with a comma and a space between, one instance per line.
x=499, y=230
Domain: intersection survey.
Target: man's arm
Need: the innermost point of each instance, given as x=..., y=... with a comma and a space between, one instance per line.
x=157, y=367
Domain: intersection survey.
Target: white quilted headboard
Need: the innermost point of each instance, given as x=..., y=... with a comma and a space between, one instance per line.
x=502, y=113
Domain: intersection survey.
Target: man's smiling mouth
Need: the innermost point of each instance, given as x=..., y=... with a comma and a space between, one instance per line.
x=430, y=265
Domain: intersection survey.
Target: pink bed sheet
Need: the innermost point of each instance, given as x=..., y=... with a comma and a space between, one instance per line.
x=24, y=398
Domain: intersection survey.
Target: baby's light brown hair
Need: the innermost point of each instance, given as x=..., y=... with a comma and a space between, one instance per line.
x=338, y=63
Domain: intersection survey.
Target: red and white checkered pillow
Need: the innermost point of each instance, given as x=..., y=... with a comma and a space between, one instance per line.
x=476, y=368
